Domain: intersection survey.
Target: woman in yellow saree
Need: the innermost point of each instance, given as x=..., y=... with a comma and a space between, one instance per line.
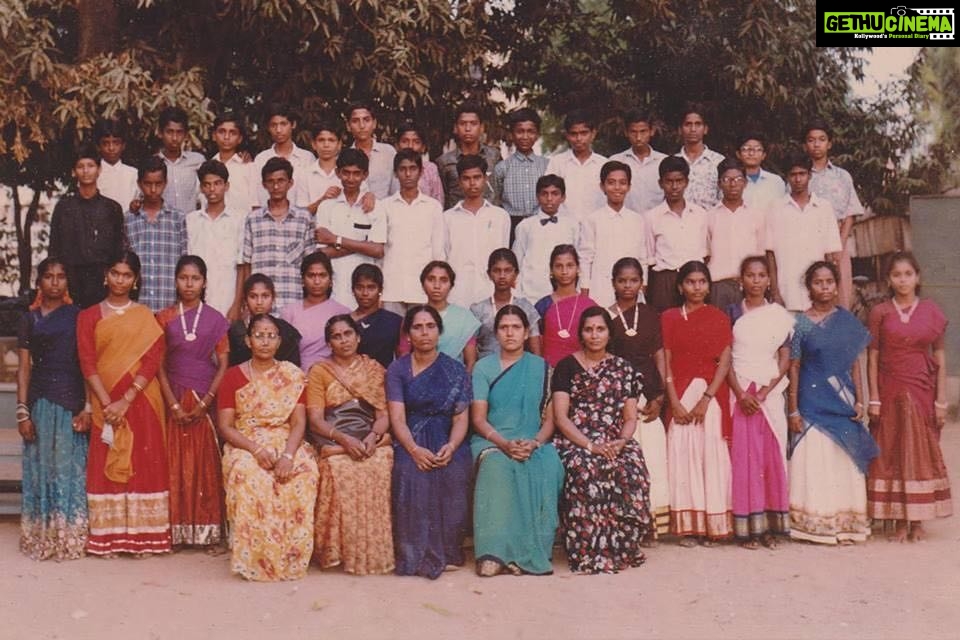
x=269, y=472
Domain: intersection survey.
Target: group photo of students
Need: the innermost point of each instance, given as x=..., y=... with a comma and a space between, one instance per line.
x=357, y=356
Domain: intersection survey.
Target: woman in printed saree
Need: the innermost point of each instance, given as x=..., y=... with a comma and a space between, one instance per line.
x=696, y=349
x=503, y=269
x=560, y=311
x=258, y=296
x=120, y=346
x=428, y=394
x=757, y=378
x=53, y=422
x=636, y=339
x=908, y=481
x=459, y=337
x=347, y=417
x=605, y=503
x=310, y=315
x=830, y=450
x=269, y=472
x=519, y=474
x=194, y=364
x=379, y=329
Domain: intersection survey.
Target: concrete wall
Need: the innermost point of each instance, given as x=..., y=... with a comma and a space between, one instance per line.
x=935, y=223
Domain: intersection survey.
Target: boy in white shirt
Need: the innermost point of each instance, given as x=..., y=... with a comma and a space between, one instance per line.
x=539, y=234
x=346, y=234
x=229, y=134
x=282, y=126
x=415, y=234
x=610, y=233
x=579, y=166
x=643, y=160
x=117, y=181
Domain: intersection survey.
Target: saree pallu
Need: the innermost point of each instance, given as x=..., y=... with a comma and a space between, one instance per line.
x=353, y=522
x=908, y=480
x=515, y=503
x=130, y=517
x=53, y=517
x=761, y=502
x=828, y=459
x=459, y=327
x=193, y=451
x=430, y=508
x=271, y=523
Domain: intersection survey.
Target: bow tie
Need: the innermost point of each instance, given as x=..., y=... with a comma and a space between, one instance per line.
x=544, y=221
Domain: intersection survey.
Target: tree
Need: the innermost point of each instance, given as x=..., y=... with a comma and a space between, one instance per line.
x=935, y=80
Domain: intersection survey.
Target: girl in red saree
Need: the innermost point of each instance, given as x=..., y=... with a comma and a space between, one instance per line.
x=120, y=346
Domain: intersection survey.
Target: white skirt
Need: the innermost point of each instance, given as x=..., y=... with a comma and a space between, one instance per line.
x=653, y=440
x=828, y=494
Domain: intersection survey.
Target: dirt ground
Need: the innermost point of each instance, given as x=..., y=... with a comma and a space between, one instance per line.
x=877, y=590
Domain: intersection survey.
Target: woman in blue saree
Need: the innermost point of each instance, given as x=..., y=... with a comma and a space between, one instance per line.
x=830, y=449
x=519, y=474
x=428, y=394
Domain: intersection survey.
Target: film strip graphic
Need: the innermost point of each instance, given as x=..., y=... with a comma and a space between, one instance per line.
x=937, y=12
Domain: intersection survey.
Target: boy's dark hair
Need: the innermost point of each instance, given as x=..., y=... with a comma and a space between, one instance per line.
x=86, y=151
x=332, y=126
x=468, y=107
x=275, y=164
x=524, y=114
x=282, y=110
x=173, y=114
x=362, y=104
x=614, y=165
x=730, y=163
x=410, y=125
x=747, y=136
x=152, y=164
x=797, y=158
x=407, y=154
x=636, y=115
x=109, y=128
x=579, y=116
x=214, y=167
x=816, y=124
x=695, y=107
x=674, y=163
x=235, y=118
x=471, y=161
x=353, y=158
x=551, y=180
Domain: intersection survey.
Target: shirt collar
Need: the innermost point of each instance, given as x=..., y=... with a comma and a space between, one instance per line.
x=234, y=159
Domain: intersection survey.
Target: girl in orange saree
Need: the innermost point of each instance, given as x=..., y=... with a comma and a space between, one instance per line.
x=120, y=346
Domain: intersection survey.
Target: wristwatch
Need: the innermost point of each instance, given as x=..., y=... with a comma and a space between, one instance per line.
x=338, y=243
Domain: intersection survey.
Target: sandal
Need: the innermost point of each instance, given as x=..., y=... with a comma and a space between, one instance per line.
x=487, y=568
x=688, y=542
x=707, y=542
x=751, y=544
x=769, y=541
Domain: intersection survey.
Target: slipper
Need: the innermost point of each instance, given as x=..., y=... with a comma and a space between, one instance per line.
x=688, y=542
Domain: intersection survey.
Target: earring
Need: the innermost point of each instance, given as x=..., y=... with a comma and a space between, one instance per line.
x=135, y=287
x=104, y=282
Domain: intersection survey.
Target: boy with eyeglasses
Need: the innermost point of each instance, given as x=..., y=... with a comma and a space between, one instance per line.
x=762, y=188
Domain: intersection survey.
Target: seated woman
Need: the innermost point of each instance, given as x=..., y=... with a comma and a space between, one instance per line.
x=519, y=474
x=347, y=414
x=258, y=295
x=269, y=472
x=379, y=329
x=605, y=505
x=310, y=315
x=428, y=394
x=503, y=269
x=459, y=336
x=830, y=450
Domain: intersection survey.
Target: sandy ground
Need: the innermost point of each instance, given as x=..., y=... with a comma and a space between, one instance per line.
x=877, y=590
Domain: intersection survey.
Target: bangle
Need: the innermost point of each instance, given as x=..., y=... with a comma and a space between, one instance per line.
x=940, y=405
x=176, y=406
x=874, y=403
x=203, y=404
x=590, y=446
x=257, y=452
x=668, y=379
x=858, y=404
x=22, y=405
x=287, y=455
x=87, y=408
x=136, y=386
x=379, y=436
x=707, y=394
x=793, y=414
x=22, y=419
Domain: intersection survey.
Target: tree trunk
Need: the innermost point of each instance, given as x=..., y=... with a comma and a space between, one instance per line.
x=98, y=27
x=24, y=244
